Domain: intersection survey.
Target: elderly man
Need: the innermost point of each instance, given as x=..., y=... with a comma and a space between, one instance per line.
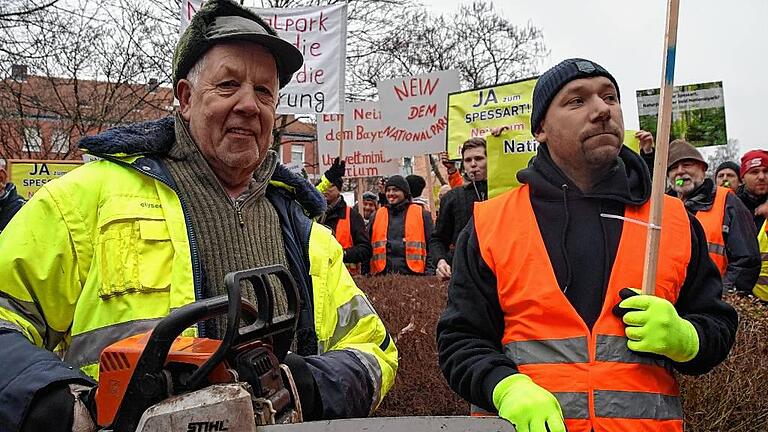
x=540, y=323
x=173, y=206
x=10, y=201
x=731, y=235
x=400, y=233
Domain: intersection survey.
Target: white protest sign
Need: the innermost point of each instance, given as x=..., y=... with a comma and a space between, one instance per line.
x=320, y=33
x=415, y=111
x=366, y=149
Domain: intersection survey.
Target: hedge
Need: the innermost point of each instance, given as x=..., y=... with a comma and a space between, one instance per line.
x=732, y=397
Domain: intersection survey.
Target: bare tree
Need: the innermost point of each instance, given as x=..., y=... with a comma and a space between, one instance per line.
x=723, y=153
x=77, y=68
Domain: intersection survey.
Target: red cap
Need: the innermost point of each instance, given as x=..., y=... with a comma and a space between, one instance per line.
x=753, y=159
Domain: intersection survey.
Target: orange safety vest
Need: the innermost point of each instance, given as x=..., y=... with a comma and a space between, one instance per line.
x=600, y=383
x=415, y=240
x=344, y=236
x=712, y=221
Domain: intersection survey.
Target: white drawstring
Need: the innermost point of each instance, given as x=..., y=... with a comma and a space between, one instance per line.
x=626, y=219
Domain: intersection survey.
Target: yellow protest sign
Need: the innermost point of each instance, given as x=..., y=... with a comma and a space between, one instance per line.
x=31, y=175
x=473, y=113
x=510, y=152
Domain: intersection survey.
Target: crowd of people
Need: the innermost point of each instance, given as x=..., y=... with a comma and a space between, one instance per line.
x=730, y=205
x=543, y=325
x=395, y=232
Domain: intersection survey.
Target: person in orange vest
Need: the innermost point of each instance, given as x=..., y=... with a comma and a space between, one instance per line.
x=541, y=324
x=348, y=227
x=400, y=233
x=731, y=234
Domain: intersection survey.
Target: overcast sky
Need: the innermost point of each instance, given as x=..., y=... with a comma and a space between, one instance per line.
x=717, y=41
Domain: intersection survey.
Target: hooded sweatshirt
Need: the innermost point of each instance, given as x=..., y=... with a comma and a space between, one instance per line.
x=582, y=246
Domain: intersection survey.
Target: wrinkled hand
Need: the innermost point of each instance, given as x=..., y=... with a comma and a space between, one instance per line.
x=336, y=171
x=653, y=326
x=646, y=141
x=443, y=269
x=526, y=405
x=447, y=163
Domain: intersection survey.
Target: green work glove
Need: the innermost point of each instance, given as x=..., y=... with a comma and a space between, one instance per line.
x=653, y=326
x=526, y=405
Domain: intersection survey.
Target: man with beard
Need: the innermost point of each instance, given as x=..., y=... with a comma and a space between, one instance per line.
x=731, y=234
x=754, y=193
x=541, y=325
x=400, y=233
x=348, y=227
x=456, y=206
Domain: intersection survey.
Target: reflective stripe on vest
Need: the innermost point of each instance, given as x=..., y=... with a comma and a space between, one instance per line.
x=344, y=236
x=414, y=239
x=761, y=288
x=600, y=383
x=712, y=222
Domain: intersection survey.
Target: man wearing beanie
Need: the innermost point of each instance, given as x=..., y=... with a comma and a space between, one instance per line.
x=370, y=205
x=348, y=227
x=400, y=233
x=172, y=206
x=542, y=322
x=727, y=223
x=754, y=194
x=727, y=175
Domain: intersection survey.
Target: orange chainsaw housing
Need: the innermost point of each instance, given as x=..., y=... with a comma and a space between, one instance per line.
x=118, y=361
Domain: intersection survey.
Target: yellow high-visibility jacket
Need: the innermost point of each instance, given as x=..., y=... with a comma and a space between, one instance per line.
x=107, y=251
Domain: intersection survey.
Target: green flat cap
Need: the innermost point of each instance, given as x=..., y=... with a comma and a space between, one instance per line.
x=224, y=20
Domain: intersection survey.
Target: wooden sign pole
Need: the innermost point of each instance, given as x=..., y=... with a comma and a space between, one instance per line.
x=662, y=148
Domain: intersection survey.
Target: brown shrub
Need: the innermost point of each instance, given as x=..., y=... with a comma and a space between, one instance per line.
x=733, y=397
x=410, y=307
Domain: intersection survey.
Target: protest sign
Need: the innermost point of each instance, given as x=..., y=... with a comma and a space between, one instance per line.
x=414, y=111
x=473, y=113
x=511, y=151
x=31, y=175
x=698, y=113
x=320, y=33
x=366, y=147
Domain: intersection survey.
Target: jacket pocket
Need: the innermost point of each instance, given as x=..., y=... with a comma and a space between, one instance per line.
x=136, y=255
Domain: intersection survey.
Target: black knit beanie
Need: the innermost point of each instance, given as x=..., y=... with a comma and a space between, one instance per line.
x=728, y=165
x=416, y=183
x=400, y=183
x=551, y=81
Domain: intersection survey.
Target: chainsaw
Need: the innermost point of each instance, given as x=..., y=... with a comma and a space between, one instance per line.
x=161, y=381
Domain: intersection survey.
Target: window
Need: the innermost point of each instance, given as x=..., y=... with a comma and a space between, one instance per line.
x=297, y=153
x=32, y=139
x=59, y=141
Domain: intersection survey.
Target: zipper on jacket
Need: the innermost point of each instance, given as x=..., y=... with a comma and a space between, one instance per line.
x=239, y=211
x=196, y=269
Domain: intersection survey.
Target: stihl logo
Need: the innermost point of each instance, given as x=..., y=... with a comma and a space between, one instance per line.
x=208, y=426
